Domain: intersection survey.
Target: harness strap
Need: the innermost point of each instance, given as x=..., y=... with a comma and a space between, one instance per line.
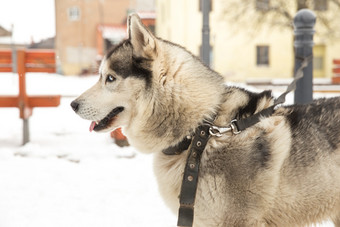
x=178, y=148
x=190, y=177
x=244, y=123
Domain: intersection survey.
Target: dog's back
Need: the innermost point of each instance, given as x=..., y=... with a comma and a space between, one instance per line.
x=285, y=171
x=320, y=120
x=309, y=179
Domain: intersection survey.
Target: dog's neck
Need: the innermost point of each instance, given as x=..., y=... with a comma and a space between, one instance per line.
x=180, y=98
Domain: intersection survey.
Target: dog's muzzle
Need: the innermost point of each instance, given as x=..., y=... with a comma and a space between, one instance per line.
x=103, y=123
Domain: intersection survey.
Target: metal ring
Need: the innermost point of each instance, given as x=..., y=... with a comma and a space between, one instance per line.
x=234, y=128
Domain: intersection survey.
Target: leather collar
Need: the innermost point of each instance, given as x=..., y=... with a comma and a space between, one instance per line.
x=178, y=148
x=184, y=144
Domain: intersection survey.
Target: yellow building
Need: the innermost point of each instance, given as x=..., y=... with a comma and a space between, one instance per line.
x=237, y=53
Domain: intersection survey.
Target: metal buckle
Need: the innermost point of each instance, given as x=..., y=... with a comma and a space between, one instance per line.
x=218, y=131
x=234, y=128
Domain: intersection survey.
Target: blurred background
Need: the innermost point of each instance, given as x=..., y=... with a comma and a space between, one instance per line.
x=249, y=39
x=65, y=176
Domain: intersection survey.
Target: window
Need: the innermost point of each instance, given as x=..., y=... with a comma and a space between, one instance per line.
x=262, y=5
x=318, y=63
x=319, y=53
x=320, y=5
x=73, y=13
x=262, y=55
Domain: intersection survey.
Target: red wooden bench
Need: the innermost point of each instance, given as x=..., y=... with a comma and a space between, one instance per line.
x=336, y=71
x=27, y=61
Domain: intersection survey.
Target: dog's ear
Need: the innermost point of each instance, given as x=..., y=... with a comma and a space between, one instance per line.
x=141, y=38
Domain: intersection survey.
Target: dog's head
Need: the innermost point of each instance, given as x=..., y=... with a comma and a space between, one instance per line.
x=156, y=90
x=125, y=72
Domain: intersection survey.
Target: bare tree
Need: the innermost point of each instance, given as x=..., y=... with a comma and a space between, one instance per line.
x=280, y=13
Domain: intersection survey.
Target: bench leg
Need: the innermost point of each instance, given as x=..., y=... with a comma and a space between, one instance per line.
x=26, y=132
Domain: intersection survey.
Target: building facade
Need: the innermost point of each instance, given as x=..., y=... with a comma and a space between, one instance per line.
x=236, y=53
x=85, y=29
x=76, y=24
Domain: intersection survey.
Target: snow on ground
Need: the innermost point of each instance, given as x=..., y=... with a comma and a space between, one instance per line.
x=67, y=176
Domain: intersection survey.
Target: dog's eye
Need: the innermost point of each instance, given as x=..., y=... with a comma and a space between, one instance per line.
x=110, y=78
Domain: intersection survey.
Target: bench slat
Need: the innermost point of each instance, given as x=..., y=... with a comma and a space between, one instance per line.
x=40, y=57
x=33, y=101
x=5, y=57
x=40, y=69
x=9, y=101
x=44, y=101
x=5, y=69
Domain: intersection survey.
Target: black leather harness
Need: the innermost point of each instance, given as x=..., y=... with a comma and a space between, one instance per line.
x=196, y=145
x=190, y=177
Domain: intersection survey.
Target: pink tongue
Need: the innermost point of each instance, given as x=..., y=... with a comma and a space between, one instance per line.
x=93, y=124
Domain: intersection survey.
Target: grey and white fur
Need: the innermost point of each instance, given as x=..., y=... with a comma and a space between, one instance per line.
x=283, y=171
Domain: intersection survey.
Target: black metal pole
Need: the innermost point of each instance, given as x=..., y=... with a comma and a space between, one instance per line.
x=205, y=48
x=304, y=22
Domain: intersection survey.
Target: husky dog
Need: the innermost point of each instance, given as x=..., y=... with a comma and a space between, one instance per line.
x=283, y=171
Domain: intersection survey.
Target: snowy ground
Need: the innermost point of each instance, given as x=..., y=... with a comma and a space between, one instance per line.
x=67, y=176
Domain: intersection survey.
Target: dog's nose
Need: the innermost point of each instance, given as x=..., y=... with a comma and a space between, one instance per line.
x=75, y=106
